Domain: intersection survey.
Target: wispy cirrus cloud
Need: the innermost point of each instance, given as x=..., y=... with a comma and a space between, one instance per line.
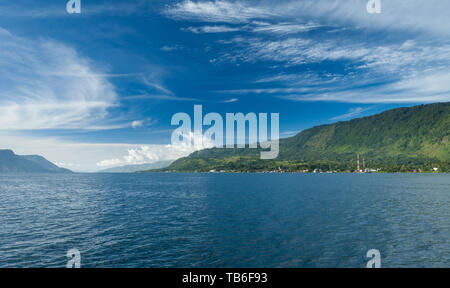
x=426, y=16
x=158, y=97
x=352, y=113
x=172, y=48
x=426, y=88
x=285, y=28
x=38, y=10
x=403, y=57
x=407, y=71
x=211, y=29
x=300, y=50
x=371, y=69
x=232, y=100
x=256, y=27
x=247, y=16
x=397, y=15
x=217, y=11
x=48, y=85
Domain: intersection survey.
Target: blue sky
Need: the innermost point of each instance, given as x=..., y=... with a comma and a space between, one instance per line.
x=98, y=89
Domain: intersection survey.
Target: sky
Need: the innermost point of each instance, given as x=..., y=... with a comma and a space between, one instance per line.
x=98, y=89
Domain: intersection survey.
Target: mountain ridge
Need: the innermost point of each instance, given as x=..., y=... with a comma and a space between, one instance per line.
x=401, y=139
x=13, y=163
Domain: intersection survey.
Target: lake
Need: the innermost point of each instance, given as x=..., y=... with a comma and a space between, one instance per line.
x=225, y=220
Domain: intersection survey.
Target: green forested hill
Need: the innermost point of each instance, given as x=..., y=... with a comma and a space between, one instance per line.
x=396, y=140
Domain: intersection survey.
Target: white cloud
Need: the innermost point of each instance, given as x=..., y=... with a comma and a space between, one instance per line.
x=285, y=28
x=232, y=100
x=45, y=10
x=159, y=97
x=408, y=71
x=217, y=11
x=423, y=88
x=38, y=91
x=142, y=155
x=414, y=15
x=305, y=79
x=153, y=153
x=353, y=112
x=5, y=32
x=68, y=165
x=290, y=133
x=268, y=90
x=415, y=70
x=137, y=123
x=172, y=48
x=80, y=156
x=211, y=29
x=293, y=51
x=127, y=154
x=256, y=27
x=144, y=122
x=430, y=84
x=110, y=163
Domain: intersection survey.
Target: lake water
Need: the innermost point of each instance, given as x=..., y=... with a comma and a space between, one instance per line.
x=225, y=220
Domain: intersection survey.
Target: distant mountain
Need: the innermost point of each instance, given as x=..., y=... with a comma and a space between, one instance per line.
x=396, y=140
x=12, y=163
x=138, y=168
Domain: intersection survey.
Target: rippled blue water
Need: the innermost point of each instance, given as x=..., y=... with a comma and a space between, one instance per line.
x=225, y=220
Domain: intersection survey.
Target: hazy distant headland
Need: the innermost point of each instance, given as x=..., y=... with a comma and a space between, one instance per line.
x=414, y=139
x=137, y=167
x=12, y=163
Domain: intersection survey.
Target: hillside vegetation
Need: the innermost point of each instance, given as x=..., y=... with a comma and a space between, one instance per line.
x=401, y=140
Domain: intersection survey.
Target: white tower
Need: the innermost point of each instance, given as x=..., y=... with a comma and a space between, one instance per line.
x=357, y=163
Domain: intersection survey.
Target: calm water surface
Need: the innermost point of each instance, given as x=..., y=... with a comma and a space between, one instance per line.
x=225, y=220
